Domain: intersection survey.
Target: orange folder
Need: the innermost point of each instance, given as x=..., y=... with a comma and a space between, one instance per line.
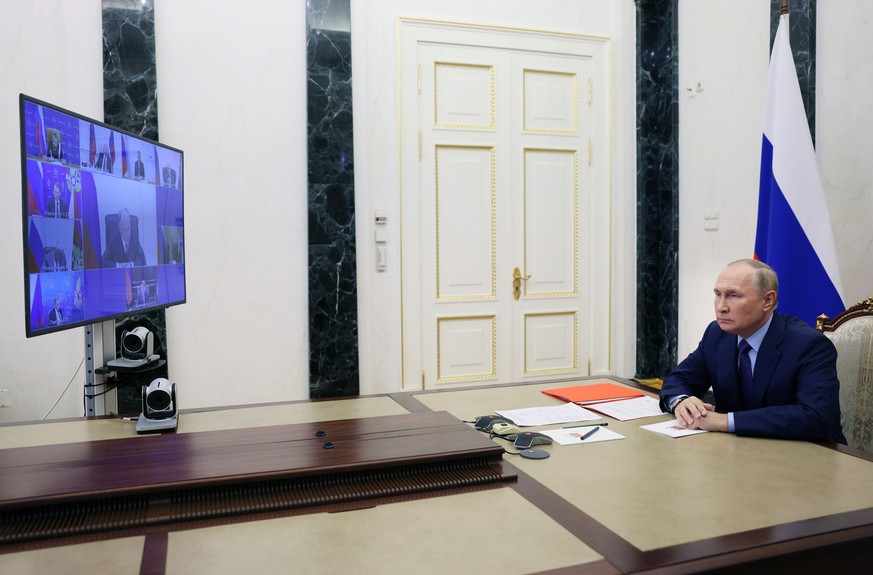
x=590, y=394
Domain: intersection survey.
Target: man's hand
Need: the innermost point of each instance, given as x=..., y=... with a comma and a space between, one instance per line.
x=693, y=413
x=713, y=421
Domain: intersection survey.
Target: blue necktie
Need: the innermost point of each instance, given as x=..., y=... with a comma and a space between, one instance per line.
x=746, y=374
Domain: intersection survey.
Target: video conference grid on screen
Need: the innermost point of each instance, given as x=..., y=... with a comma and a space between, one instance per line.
x=103, y=220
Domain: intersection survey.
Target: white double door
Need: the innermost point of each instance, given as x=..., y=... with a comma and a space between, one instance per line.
x=508, y=230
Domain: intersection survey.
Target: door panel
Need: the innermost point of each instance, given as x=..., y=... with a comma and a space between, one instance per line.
x=551, y=341
x=464, y=95
x=551, y=214
x=551, y=133
x=550, y=101
x=466, y=348
x=465, y=223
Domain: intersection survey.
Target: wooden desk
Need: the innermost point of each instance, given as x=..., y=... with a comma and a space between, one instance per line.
x=708, y=499
x=644, y=503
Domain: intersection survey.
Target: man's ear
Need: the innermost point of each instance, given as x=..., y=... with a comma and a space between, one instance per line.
x=769, y=300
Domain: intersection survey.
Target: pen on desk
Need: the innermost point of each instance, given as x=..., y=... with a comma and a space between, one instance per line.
x=589, y=433
x=586, y=425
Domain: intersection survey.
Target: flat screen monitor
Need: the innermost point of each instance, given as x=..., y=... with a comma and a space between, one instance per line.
x=103, y=220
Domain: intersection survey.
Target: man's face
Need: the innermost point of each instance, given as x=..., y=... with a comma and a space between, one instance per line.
x=124, y=228
x=739, y=308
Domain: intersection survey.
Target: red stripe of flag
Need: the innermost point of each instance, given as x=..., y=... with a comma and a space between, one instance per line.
x=123, y=158
x=92, y=152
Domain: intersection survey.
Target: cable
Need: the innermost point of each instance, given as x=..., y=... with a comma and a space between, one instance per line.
x=69, y=383
x=85, y=396
x=123, y=417
x=507, y=437
x=104, y=392
x=109, y=387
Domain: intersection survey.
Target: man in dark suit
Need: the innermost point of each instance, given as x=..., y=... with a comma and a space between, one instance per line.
x=123, y=248
x=104, y=160
x=793, y=390
x=56, y=315
x=56, y=207
x=139, y=167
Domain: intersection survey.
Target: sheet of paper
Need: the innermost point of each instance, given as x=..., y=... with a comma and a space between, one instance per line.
x=627, y=409
x=574, y=436
x=564, y=413
x=672, y=428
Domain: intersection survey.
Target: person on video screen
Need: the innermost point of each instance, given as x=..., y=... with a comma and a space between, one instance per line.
x=56, y=206
x=139, y=167
x=54, y=146
x=104, y=161
x=56, y=315
x=169, y=177
x=123, y=249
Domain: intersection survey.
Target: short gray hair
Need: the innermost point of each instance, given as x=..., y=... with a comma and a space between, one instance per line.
x=764, y=279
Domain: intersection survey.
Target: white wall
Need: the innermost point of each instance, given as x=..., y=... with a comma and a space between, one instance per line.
x=725, y=46
x=844, y=136
x=232, y=95
x=720, y=134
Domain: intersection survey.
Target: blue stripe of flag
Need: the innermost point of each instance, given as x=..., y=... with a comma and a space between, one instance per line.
x=805, y=289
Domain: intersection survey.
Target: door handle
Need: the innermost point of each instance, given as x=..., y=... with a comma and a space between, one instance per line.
x=517, y=278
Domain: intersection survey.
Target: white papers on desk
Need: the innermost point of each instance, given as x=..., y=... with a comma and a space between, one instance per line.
x=629, y=408
x=672, y=428
x=564, y=413
x=573, y=436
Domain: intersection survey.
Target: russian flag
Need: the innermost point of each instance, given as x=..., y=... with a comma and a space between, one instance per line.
x=40, y=135
x=37, y=317
x=123, y=157
x=157, y=168
x=92, y=151
x=794, y=234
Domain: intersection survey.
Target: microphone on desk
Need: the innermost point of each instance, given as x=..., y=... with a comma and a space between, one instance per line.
x=486, y=422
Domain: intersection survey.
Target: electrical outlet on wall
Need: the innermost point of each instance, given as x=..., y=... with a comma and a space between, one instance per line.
x=710, y=220
x=4, y=398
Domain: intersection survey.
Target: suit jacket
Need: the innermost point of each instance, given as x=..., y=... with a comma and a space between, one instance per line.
x=115, y=253
x=139, y=170
x=797, y=393
x=104, y=162
x=54, y=319
x=50, y=210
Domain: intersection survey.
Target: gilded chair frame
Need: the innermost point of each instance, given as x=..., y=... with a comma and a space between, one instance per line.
x=863, y=308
